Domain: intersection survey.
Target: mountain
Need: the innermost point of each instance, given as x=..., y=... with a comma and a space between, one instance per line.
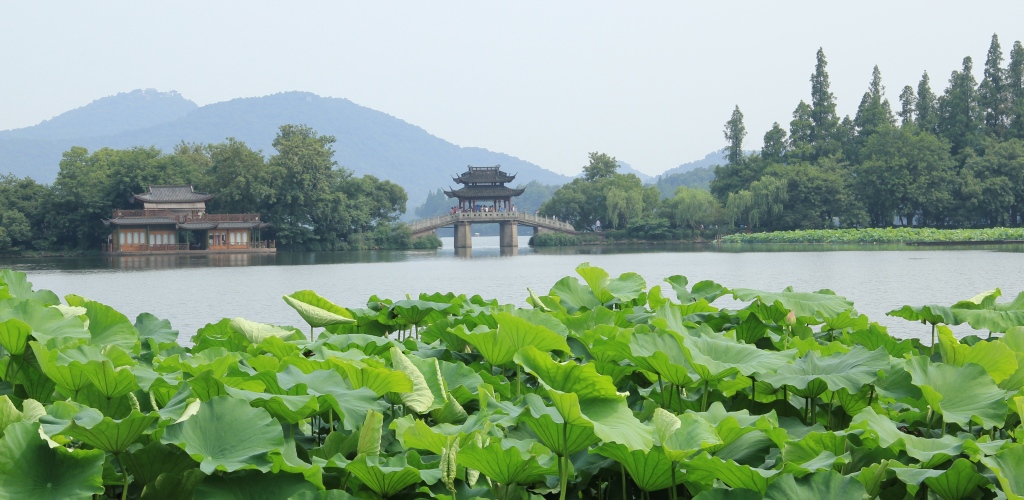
x=368, y=141
x=712, y=158
x=625, y=168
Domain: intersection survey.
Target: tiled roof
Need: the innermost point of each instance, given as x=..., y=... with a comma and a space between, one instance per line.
x=140, y=221
x=484, y=192
x=172, y=194
x=239, y=225
x=197, y=226
x=478, y=175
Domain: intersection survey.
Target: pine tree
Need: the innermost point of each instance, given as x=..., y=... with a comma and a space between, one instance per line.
x=734, y=133
x=992, y=97
x=959, y=116
x=774, y=149
x=1015, y=91
x=801, y=133
x=908, y=101
x=874, y=113
x=927, y=106
x=823, y=111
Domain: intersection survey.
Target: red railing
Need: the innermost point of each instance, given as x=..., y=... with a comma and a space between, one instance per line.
x=188, y=215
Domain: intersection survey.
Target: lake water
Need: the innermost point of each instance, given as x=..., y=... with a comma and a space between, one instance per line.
x=191, y=291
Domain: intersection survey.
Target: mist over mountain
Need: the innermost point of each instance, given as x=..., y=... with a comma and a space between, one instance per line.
x=710, y=159
x=368, y=141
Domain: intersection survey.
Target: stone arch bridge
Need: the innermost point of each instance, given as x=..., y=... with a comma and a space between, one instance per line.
x=509, y=222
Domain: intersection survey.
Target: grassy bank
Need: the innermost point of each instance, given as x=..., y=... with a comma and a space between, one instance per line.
x=883, y=235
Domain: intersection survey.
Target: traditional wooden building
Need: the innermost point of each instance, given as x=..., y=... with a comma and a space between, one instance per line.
x=484, y=188
x=174, y=219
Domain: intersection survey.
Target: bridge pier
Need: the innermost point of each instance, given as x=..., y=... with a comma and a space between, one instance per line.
x=509, y=234
x=463, y=235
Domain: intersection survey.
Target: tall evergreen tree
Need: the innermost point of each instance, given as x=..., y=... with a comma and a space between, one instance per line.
x=774, y=149
x=927, y=108
x=992, y=96
x=908, y=103
x=1015, y=91
x=801, y=133
x=734, y=133
x=959, y=117
x=874, y=113
x=823, y=110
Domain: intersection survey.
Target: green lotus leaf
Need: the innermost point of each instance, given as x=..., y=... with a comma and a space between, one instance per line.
x=370, y=433
x=875, y=336
x=573, y=296
x=657, y=352
x=414, y=312
x=110, y=381
x=680, y=436
x=552, y=430
x=931, y=314
x=715, y=356
x=14, y=334
x=291, y=409
x=14, y=284
x=30, y=468
x=897, y=384
x=998, y=359
x=957, y=482
x=149, y=462
x=813, y=445
x=317, y=311
x=724, y=494
x=850, y=371
x=584, y=397
x=705, y=468
x=819, y=305
x=227, y=434
x=816, y=486
x=380, y=380
x=499, y=346
x=651, y=470
x=253, y=485
x=107, y=326
x=421, y=398
x=1007, y=466
x=384, y=476
x=257, y=332
x=351, y=405
x=623, y=289
x=702, y=290
x=509, y=461
x=10, y=414
x=151, y=327
x=107, y=434
x=930, y=452
x=49, y=326
x=70, y=311
x=416, y=434
x=961, y=393
x=174, y=486
x=369, y=344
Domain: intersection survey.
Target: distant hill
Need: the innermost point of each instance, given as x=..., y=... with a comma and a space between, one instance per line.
x=368, y=141
x=698, y=178
x=710, y=159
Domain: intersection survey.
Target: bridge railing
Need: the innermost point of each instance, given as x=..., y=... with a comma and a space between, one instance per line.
x=481, y=217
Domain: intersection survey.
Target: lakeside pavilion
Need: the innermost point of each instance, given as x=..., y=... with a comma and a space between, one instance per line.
x=174, y=220
x=484, y=187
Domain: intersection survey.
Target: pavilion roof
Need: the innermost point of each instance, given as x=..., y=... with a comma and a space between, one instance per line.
x=173, y=194
x=484, y=192
x=484, y=175
x=140, y=221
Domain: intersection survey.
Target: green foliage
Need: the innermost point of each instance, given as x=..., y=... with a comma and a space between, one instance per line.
x=619, y=391
x=887, y=235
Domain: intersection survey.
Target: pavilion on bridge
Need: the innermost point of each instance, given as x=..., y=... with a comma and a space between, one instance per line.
x=171, y=215
x=484, y=187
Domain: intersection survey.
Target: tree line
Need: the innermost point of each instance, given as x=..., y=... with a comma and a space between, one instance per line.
x=949, y=160
x=311, y=202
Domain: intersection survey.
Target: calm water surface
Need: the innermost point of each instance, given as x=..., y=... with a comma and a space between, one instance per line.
x=193, y=291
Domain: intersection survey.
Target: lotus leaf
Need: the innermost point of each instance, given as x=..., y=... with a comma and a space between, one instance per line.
x=49, y=326
x=623, y=289
x=509, y=461
x=257, y=332
x=850, y=371
x=1007, y=465
x=499, y=346
x=317, y=311
x=421, y=398
x=714, y=356
x=107, y=326
x=930, y=452
x=253, y=485
x=105, y=433
x=705, y=469
x=996, y=357
x=585, y=398
x=815, y=306
x=330, y=389
x=573, y=296
x=227, y=434
x=386, y=477
x=651, y=470
x=14, y=284
x=30, y=468
x=963, y=394
x=816, y=486
x=151, y=327
x=14, y=334
x=702, y=290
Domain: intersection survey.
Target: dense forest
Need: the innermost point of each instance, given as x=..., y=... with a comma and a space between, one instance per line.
x=311, y=202
x=949, y=160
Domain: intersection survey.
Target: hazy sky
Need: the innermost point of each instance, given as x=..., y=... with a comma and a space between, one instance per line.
x=651, y=83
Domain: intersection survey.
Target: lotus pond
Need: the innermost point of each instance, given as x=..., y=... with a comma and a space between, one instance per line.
x=602, y=387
